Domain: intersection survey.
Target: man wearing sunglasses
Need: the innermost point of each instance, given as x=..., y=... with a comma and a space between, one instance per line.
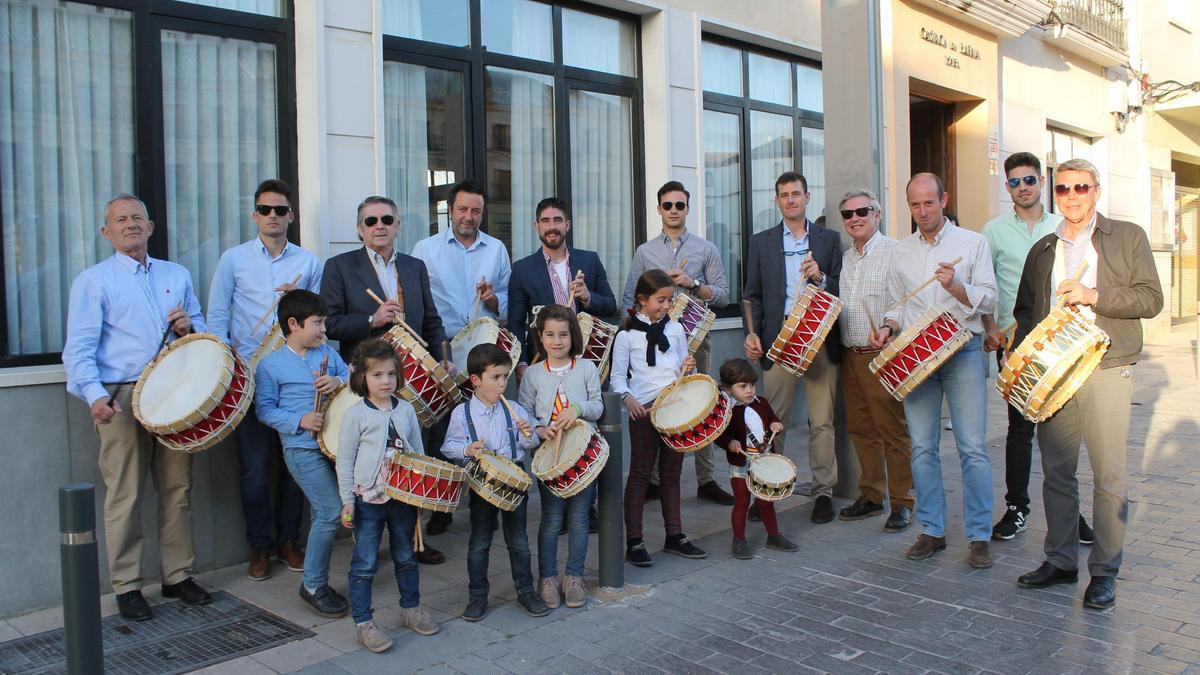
x=696, y=268
x=400, y=280
x=1119, y=287
x=782, y=261
x=248, y=279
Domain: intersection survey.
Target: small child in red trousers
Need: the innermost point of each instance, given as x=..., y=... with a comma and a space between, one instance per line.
x=747, y=432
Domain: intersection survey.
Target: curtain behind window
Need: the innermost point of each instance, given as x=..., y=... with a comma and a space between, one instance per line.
x=407, y=149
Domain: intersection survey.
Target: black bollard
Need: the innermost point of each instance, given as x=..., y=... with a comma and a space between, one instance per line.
x=80, y=578
x=611, y=495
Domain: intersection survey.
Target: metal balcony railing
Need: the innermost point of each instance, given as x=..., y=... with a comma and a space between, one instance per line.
x=1102, y=19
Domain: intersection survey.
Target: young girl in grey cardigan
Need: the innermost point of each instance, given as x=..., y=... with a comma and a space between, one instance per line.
x=373, y=431
x=557, y=366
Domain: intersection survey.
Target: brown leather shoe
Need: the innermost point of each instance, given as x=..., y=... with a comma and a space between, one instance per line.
x=979, y=555
x=430, y=556
x=290, y=554
x=260, y=565
x=925, y=546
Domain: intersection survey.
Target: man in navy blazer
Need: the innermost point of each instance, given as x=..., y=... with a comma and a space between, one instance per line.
x=580, y=281
x=782, y=261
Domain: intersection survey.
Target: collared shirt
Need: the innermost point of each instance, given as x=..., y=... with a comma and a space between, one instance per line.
x=864, y=288
x=914, y=261
x=560, y=272
x=243, y=289
x=1010, y=239
x=493, y=427
x=385, y=271
x=703, y=264
x=629, y=354
x=454, y=270
x=1070, y=254
x=794, y=252
x=116, y=317
x=284, y=390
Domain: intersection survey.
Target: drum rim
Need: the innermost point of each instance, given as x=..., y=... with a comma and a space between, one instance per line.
x=1088, y=354
x=582, y=482
x=542, y=472
x=819, y=337
x=768, y=455
x=514, y=353
x=213, y=399
x=400, y=336
x=321, y=444
x=725, y=420
x=522, y=478
x=677, y=384
x=404, y=458
x=918, y=375
x=220, y=433
x=274, y=332
x=488, y=495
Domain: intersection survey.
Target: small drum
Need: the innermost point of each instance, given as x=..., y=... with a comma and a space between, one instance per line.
x=271, y=341
x=1052, y=363
x=193, y=393
x=425, y=482
x=480, y=331
x=804, y=330
x=499, y=480
x=336, y=405
x=695, y=317
x=918, y=351
x=771, y=477
x=690, y=413
x=598, y=339
x=582, y=453
x=427, y=385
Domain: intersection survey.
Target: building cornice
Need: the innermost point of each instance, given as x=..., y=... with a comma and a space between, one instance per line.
x=1005, y=19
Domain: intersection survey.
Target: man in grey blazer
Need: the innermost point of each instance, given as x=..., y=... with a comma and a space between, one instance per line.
x=782, y=261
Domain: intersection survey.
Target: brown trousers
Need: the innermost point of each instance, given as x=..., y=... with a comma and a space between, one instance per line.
x=876, y=425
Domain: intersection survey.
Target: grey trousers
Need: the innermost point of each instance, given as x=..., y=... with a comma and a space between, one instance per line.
x=1098, y=415
x=704, y=456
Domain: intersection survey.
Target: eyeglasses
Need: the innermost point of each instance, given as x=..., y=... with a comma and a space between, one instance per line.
x=861, y=212
x=1029, y=180
x=265, y=209
x=1080, y=189
x=679, y=206
x=370, y=221
x=801, y=252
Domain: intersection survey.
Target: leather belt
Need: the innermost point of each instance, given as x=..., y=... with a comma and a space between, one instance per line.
x=865, y=350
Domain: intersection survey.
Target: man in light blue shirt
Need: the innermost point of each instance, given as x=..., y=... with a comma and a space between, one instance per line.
x=244, y=287
x=119, y=311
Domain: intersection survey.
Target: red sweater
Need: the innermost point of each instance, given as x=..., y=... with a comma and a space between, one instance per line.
x=736, y=431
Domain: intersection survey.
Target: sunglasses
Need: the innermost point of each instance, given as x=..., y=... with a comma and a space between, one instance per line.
x=265, y=209
x=1080, y=189
x=1029, y=180
x=861, y=212
x=679, y=206
x=370, y=221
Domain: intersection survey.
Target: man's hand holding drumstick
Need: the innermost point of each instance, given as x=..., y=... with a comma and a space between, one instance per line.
x=389, y=311
x=752, y=345
x=579, y=290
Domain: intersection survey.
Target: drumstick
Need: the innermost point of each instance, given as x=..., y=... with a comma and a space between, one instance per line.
x=271, y=309
x=1075, y=277
x=167, y=332
x=920, y=288
x=317, y=397
x=512, y=411
x=446, y=354
x=400, y=296
x=867, y=311
x=748, y=314
x=418, y=540
x=376, y=298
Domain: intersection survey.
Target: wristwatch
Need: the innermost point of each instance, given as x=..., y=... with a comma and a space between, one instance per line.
x=696, y=284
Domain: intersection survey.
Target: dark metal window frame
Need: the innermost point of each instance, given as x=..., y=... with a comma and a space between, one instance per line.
x=150, y=18
x=742, y=106
x=474, y=59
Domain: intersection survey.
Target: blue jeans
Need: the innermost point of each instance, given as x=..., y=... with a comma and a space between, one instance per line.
x=553, y=509
x=314, y=474
x=258, y=455
x=962, y=381
x=483, y=523
x=369, y=521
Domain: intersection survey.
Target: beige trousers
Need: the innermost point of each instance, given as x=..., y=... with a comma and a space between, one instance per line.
x=820, y=386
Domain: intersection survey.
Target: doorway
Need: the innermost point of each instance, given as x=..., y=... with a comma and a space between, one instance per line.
x=931, y=143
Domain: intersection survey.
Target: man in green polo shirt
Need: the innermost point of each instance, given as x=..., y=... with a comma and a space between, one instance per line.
x=1010, y=236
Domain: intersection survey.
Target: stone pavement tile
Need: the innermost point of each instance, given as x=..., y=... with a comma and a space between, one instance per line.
x=724, y=663
x=243, y=664
x=477, y=665
x=569, y=663
x=296, y=655
x=324, y=668
x=939, y=664
x=883, y=664
x=836, y=665
x=7, y=632
x=771, y=630
x=924, y=642
x=674, y=664
x=438, y=669
x=46, y=619
x=627, y=666
x=340, y=634
x=729, y=648
x=411, y=652
x=775, y=664
x=1177, y=653
x=792, y=650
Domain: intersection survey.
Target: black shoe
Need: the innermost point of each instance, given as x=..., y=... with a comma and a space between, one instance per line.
x=651, y=492
x=741, y=550
x=532, y=605
x=430, y=556
x=593, y=521
x=1101, y=593
x=781, y=543
x=1047, y=575
x=475, y=610
x=133, y=606
x=188, y=591
x=752, y=515
x=326, y=602
x=1011, y=523
x=679, y=545
x=1086, y=534
x=861, y=508
x=822, y=510
x=713, y=493
x=898, y=520
x=438, y=523
x=636, y=553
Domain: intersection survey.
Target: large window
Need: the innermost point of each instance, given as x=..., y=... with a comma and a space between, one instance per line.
x=532, y=100
x=763, y=115
x=185, y=105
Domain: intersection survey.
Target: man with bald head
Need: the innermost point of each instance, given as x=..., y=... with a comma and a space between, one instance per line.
x=966, y=289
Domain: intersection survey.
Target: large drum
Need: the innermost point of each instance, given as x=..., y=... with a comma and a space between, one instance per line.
x=425, y=482
x=1052, y=363
x=427, y=385
x=193, y=393
x=598, y=339
x=582, y=453
x=804, y=330
x=695, y=317
x=336, y=405
x=771, y=477
x=271, y=341
x=918, y=351
x=499, y=480
x=483, y=330
x=690, y=413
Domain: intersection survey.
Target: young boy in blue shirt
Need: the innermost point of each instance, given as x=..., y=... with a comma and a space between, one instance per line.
x=285, y=385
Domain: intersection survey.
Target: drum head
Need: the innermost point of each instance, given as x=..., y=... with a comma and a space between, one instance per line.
x=479, y=331
x=573, y=443
x=503, y=469
x=689, y=400
x=186, y=378
x=773, y=470
x=342, y=399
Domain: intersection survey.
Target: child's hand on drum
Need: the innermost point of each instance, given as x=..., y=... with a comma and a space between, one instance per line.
x=475, y=448
x=327, y=383
x=312, y=421
x=348, y=516
x=689, y=364
x=544, y=433
x=636, y=410
x=565, y=419
x=776, y=427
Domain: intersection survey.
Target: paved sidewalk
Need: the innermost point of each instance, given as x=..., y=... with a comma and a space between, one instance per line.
x=847, y=602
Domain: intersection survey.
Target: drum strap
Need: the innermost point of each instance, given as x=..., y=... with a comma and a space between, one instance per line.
x=508, y=427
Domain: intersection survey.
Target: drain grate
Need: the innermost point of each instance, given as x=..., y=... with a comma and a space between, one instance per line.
x=179, y=638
